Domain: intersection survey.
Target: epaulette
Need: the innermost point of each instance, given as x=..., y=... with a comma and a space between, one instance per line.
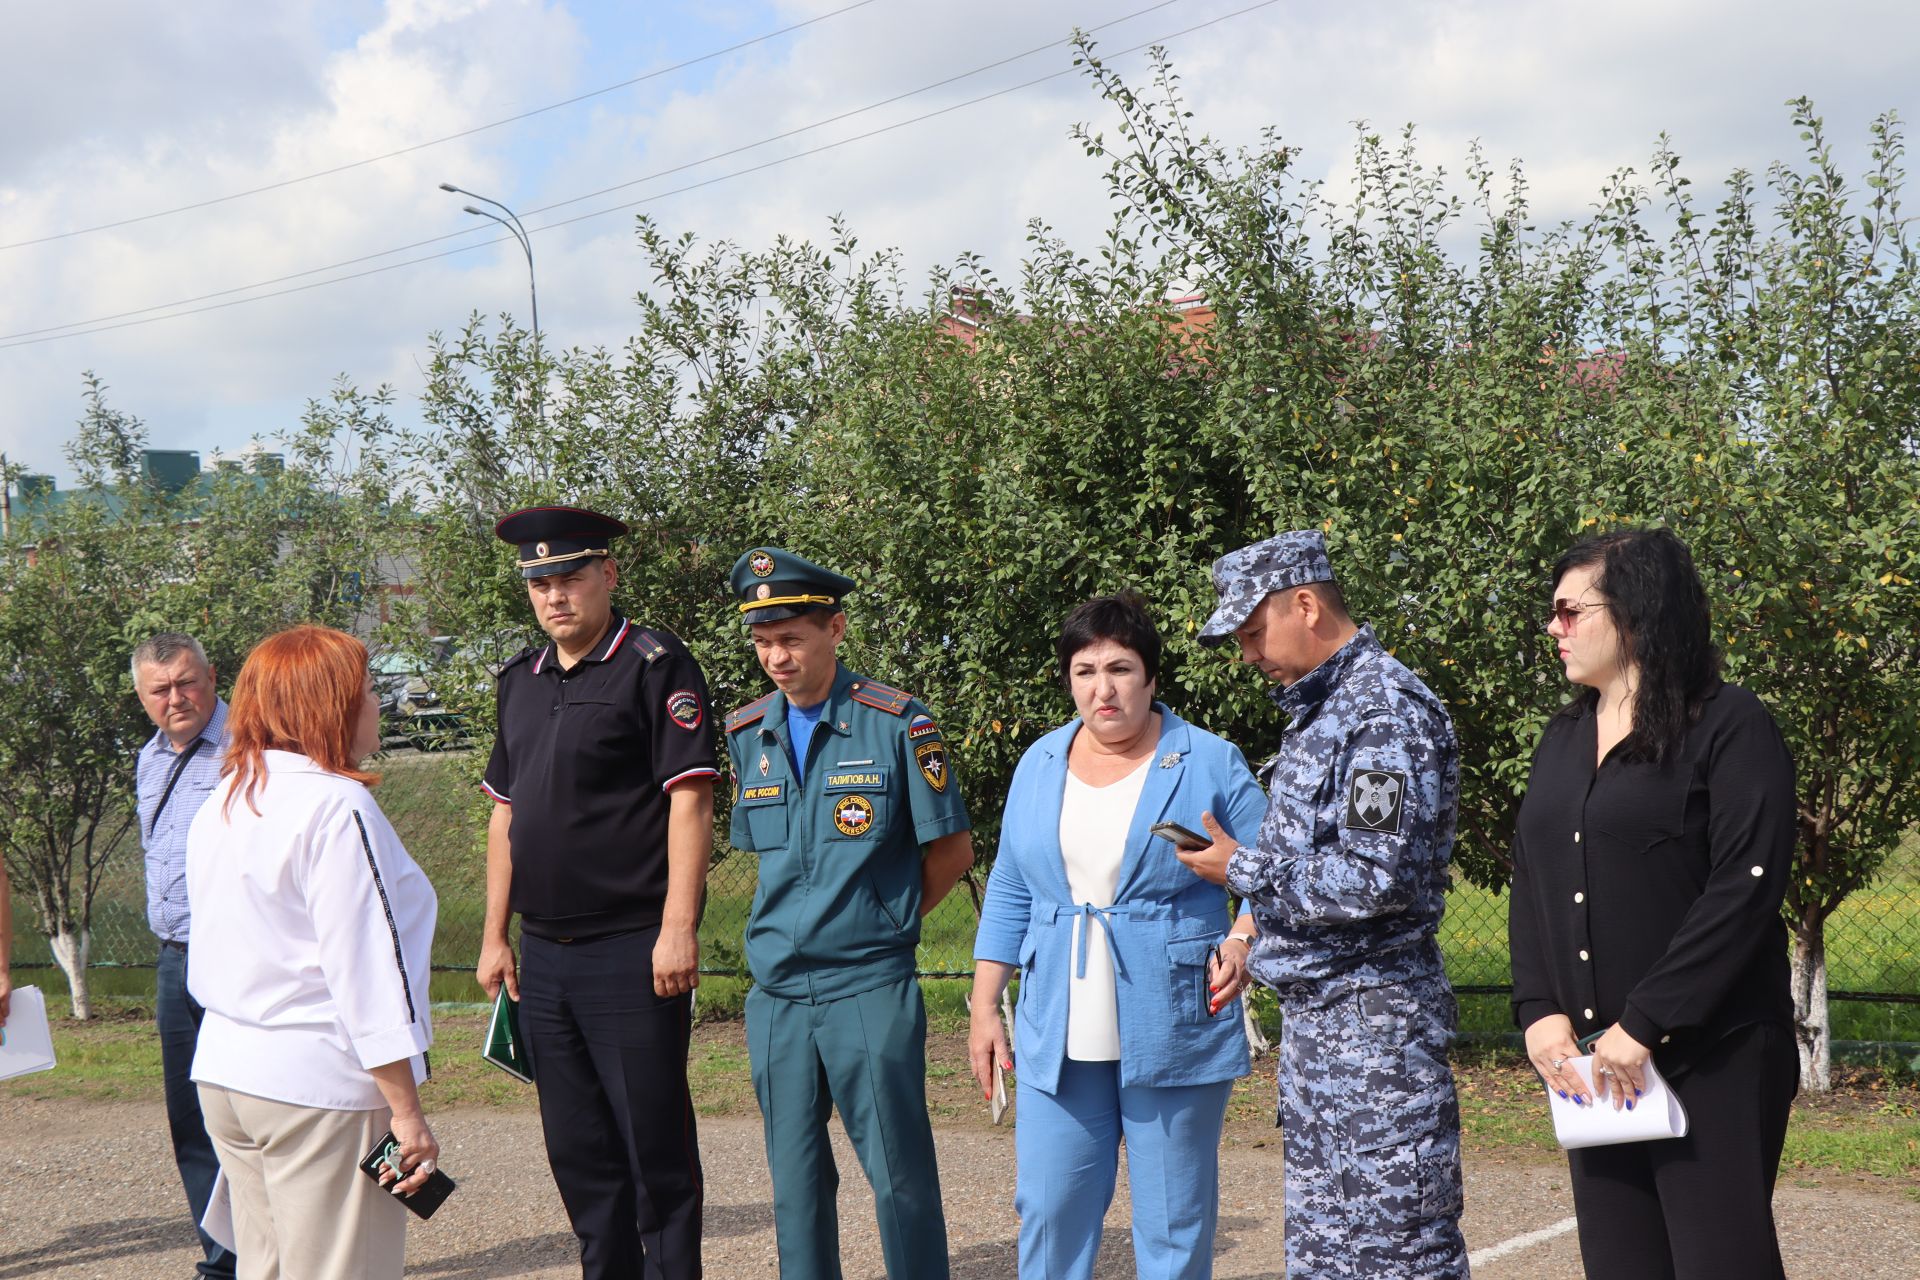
x=518, y=658
x=750, y=713
x=651, y=647
x=884, y=697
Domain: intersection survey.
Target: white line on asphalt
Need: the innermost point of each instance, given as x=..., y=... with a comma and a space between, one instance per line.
x=1480, y=1257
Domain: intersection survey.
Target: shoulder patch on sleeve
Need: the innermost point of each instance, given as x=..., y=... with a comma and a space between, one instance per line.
x=518, y=658
x=648, y=645
x=881, y=696
x=749, y=714
x=1376, y=798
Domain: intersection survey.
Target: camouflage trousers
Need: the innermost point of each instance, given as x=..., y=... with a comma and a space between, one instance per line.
x=1372, y=1133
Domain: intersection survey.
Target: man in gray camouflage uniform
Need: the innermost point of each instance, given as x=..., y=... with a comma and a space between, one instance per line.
x=1347, y=881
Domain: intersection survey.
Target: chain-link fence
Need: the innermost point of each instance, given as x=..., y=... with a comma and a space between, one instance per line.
x=1873, y=941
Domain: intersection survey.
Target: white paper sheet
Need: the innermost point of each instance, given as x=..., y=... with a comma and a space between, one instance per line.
x=217, y=1221
x=26, y=1042
x=1657, y=1113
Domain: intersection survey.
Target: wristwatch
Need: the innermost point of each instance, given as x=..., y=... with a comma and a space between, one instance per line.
x=1246, y=938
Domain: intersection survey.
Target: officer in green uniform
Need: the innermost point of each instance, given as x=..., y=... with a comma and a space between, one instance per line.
x=839, y=783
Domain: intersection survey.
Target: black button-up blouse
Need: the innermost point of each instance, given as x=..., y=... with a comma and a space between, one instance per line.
x=1649, y=895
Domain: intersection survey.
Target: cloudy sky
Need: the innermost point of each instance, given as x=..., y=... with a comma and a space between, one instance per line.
x=122, y=109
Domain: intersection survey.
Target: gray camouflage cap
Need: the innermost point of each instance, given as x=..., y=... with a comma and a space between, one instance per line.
x=1245, y=577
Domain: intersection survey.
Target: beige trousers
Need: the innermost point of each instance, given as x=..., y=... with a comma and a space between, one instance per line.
x=302, y=1210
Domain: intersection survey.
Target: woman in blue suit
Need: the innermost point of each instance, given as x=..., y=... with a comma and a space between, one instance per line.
x=1130, y=965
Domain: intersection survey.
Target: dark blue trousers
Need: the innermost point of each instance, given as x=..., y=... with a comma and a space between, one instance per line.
x=177, y=1017
x=610, y=1063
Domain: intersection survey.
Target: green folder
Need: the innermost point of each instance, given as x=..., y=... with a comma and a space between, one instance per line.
x=505, y=1049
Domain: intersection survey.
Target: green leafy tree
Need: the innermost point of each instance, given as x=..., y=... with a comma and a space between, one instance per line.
x=1796, y=470
x=230, y=558
x=1459, y=421
x=70, y=726
x=315, y=537
x=1453, y=392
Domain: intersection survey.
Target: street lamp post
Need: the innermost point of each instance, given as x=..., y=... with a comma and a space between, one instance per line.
x=519, y=232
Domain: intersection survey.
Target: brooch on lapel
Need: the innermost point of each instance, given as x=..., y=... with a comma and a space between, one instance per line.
x=1170, y=759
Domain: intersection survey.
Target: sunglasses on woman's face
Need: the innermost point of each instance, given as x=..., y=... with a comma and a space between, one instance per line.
x=1568, y=614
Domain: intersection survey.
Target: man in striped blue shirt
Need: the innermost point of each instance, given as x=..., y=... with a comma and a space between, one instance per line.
x=177, y=769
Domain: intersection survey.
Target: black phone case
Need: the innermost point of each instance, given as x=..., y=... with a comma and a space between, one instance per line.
x=1174, y=833
x=422, y=1202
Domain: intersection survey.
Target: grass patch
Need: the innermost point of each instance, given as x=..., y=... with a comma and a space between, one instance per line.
x=1502, y=1107
x=113, y=1057
x=1873, y=941
x=1868, y=1127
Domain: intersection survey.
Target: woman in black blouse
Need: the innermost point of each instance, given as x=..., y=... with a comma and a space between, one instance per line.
x=1652, y=854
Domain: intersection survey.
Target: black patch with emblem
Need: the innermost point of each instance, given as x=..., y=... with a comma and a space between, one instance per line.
x=932, y=759
x=1375, y=800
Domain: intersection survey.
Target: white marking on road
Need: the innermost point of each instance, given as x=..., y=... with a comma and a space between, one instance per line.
x=1480, y=1257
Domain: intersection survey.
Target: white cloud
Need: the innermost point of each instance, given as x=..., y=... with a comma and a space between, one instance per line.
x=152, y=106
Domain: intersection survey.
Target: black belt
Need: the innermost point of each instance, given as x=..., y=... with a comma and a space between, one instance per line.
x=169, y=942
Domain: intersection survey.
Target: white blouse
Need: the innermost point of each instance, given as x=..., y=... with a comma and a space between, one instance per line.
x=1093, y=843
x=311, y=940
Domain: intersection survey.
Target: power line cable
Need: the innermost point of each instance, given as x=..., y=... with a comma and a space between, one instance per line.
x=466, y=232
x=434, y=142
x=633, y=204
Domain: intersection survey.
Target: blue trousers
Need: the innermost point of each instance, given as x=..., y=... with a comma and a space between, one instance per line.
x=176, y=1017
x=1068, y=1147
x=610, y=1065
x=867, y=1055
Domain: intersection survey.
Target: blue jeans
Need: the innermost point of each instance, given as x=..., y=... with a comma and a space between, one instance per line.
x=1067, y=1145
x=177, y=1017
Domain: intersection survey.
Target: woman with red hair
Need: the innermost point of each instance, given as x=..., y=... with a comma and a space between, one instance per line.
x=310, y=950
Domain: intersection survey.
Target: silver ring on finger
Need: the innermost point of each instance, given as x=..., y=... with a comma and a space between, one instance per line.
x=1605, y=1071
x=1558, y=1063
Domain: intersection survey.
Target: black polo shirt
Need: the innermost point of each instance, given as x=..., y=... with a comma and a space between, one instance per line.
x=586, y=757
x=1649, y=895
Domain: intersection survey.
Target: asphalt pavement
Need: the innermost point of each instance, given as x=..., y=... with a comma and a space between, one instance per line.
x=87, y=1189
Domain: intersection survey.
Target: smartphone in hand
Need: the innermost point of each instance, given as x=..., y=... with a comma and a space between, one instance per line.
x=386, y=1155
x=1180, y=836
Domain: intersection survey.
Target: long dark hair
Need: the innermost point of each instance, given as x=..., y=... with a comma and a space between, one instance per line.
x=1659, y=607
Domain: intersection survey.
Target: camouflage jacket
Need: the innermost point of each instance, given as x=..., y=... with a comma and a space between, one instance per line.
x=1348, y=876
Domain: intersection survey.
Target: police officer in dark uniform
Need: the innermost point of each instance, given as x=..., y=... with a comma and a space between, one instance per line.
x=840, y=782
x=602, y=776
x=1347, y=880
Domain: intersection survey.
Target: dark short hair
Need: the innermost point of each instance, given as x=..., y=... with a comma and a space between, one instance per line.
x=1658, y=604
x=1121, y=618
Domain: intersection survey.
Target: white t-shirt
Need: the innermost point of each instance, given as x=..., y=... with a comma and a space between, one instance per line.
x=311, y=941
x=1093, y=843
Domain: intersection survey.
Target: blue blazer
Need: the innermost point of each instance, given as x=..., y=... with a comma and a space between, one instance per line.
x=1164, y=918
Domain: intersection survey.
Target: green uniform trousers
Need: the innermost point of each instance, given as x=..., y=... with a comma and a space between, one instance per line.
x=867, y=1055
